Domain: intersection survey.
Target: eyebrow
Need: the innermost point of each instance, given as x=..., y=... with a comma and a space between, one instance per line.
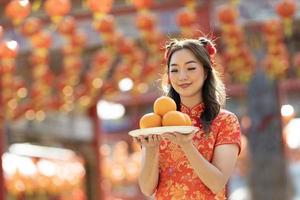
x=188, y=62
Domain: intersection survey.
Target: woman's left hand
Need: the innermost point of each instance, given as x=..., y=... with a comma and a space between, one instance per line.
x=179, y=138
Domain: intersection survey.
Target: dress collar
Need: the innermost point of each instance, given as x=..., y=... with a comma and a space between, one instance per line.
x=194, y=111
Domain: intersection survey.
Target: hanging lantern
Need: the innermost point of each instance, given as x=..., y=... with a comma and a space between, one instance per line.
x=41, y=40
x=227, y=14
x=31, y=26
x=56, y=9
x=105, y=25
x=286, y=9
x=186, y=18
x=272, y=26
x=78, y=39
x=145, y=21
x=142, y=4
x=67, y=26
x=99, y=8
x=126, y=46
x=18, y=10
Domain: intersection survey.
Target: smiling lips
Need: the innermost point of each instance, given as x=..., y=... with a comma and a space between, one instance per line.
x=185, y=85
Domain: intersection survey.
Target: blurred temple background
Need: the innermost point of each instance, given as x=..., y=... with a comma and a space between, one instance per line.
x=76, y=76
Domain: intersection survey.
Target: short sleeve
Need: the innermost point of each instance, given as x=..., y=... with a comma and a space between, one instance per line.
x=229, y=130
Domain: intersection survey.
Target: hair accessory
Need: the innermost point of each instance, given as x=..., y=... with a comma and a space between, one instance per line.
x=208, y=45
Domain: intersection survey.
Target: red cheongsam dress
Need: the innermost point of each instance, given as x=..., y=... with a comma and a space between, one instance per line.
x=177, y=179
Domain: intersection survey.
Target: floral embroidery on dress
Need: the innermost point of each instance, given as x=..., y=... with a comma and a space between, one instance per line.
x=177, y=179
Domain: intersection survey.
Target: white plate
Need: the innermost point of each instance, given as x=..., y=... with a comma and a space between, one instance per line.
x=163, y=129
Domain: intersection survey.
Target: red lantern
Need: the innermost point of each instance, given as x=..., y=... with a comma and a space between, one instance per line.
x=103, y=6
x=67, y=26
x=78, y=39
x=101, y=58
x=41, y=40
x=186, y=18
x=17, y=10
x=31, y=26
x=286, y=8
x=57, y=8
x=227, y=14
x=142, y=4
x=105, y=24
x=126, y=46
x=272, y=26
x=145, y=21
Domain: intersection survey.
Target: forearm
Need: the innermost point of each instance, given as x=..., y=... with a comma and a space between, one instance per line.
x=210, y=175
x=150, y=173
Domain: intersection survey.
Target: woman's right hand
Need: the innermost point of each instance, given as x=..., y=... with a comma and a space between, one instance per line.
x=151, y=141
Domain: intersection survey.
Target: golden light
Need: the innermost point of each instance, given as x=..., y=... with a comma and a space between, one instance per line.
x=30, y=115
x=142, y=87
x=97, y=83
x=22, y=92
x=68, y=90
x=40, y=115
x=84, y=100
x=12, y=104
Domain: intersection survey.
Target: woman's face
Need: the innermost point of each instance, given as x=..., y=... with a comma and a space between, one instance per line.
x=186, y=73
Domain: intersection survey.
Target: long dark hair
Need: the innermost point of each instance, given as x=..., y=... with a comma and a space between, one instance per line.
x=213, y=90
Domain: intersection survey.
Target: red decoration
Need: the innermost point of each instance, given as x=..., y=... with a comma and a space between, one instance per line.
x=286, y=8
x=105, y=24
x=56, y=8
x=142, y=4
x=145, y=21
x=78, y=39
x=17, y=10
x=227, y=14
x=186, y=18
x=31, y=26
x=67, y=26
x=103, y=6
x=101, y=58
x=272, y=26
x=126, y=46
x=41, y=40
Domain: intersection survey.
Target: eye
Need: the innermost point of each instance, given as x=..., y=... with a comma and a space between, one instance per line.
x=191, y=68
x=173, y=70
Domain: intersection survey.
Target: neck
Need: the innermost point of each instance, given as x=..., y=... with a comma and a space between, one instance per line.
x=191, y=101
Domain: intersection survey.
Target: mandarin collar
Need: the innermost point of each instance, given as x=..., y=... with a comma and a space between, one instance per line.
x=194, y=111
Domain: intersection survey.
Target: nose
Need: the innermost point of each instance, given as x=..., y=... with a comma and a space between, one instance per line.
x=183, y=75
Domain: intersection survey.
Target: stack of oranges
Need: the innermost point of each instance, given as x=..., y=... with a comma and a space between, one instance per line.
x=165, y=114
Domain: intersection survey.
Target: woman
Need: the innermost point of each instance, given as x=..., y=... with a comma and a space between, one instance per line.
x=195, y=166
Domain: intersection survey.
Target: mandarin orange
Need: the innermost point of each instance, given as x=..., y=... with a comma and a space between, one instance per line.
x=188, y=121
x=173, y=118
x=164, y=104
x=150, y=120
